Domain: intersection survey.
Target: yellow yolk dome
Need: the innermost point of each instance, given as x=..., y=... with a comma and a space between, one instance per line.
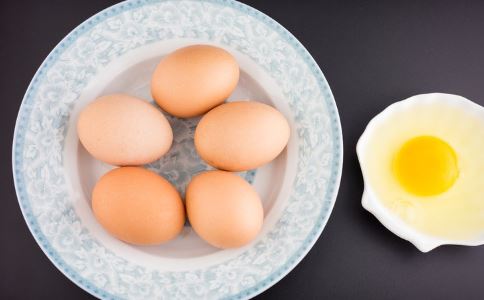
x=426, y=166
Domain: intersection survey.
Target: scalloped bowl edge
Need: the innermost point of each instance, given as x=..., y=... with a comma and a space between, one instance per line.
x=370, y=202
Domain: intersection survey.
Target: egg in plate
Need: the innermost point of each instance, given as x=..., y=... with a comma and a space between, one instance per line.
x=422, y=162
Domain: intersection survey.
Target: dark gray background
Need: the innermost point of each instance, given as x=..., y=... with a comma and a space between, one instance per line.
x=372, y=53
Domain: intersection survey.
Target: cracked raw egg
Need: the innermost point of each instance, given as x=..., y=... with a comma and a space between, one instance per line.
x=422, y=161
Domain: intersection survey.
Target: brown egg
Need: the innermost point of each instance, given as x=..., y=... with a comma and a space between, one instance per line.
x=241, y=135
x=224, y=209
x=123, y=130
x=192, y=80
x=138, y=206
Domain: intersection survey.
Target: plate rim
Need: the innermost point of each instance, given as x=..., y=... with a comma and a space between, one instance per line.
x=333, y=184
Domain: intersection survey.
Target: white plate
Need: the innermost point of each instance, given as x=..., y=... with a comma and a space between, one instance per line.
x=116, y=51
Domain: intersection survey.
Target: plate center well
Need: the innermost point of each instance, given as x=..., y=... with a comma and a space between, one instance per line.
x=177, y=166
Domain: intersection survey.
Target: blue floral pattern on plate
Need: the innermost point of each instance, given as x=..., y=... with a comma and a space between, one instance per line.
x=182, y=161
x=42, y=124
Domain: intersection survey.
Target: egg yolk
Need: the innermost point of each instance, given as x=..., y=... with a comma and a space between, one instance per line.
x=426, y=166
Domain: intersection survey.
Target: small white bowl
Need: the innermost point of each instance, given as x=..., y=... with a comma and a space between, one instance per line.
x=370, y=202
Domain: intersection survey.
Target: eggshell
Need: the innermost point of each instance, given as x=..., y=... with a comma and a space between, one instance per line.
x=241, y=135
x=138, y=206
x=224, y=209
x=192, y=80
x=123, y=130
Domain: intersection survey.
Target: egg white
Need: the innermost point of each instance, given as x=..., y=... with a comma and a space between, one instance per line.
x=456, y=214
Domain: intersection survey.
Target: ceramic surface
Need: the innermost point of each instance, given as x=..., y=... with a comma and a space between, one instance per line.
x=116, y=51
